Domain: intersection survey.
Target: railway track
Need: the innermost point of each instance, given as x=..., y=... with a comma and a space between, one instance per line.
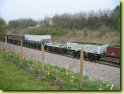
x=101, y=61
x=109, y=63
x=104, y=62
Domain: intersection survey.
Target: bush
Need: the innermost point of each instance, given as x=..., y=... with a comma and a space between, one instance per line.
x=52, y=31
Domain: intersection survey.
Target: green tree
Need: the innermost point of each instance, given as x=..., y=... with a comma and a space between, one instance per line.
x=115, y=18
x=21, y=23
x=2, y=26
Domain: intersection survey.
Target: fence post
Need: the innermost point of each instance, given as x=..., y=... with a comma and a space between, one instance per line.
x=81, y=68
x=21, y=48
x=5, y=42
x=42, y=51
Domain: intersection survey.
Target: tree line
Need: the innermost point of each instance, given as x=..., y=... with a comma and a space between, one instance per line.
x=22, y=23
x=91, y=20
x=80, y=20
x=3, y=26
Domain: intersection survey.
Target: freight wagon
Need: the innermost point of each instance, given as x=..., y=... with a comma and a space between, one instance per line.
x=113, y=51
x=15, y=39
x=91, y=51
x=38, y=38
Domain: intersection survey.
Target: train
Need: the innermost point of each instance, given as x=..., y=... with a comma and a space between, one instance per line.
x=91, y=51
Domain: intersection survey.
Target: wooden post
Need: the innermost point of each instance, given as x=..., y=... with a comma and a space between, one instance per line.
x=21, y=48
x=42, y=55
x=5, y=42
x=81, y=68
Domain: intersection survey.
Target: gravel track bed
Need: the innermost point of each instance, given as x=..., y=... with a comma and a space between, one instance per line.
x=94, y=70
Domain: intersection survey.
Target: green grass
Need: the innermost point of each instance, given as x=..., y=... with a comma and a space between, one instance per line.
x=19, y=73
x=12, y=78
x=50, y=30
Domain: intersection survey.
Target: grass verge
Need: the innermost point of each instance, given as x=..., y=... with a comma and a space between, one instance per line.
x=20, y=73
x=12, y=78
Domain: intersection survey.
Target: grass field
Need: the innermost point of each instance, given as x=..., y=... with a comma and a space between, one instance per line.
x=19, y=73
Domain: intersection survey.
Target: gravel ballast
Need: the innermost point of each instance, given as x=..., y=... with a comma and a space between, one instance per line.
x=93, y=70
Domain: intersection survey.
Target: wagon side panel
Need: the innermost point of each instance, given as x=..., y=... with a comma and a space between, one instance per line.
x=113, y=52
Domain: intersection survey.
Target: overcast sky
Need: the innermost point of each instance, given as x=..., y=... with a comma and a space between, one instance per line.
x=38, y=9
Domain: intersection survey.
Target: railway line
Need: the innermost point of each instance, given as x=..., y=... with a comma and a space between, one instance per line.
x=97, y=53
x=101, y=61
x=104, y=62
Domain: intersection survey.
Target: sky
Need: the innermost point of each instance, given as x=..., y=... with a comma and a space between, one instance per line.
x=39, y=9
